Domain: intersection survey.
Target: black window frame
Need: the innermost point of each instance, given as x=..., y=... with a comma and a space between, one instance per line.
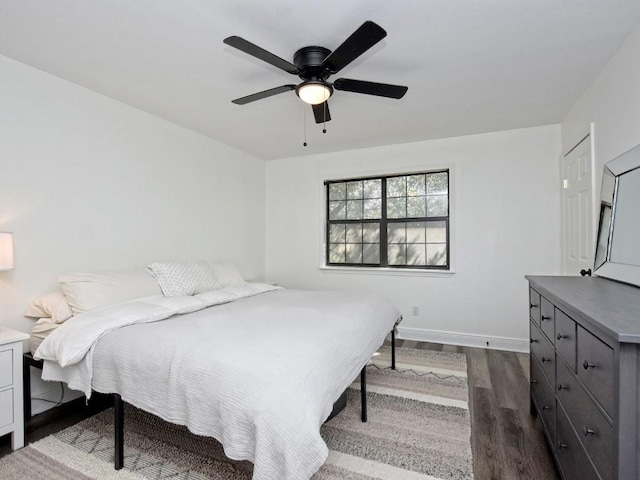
x=384, y=223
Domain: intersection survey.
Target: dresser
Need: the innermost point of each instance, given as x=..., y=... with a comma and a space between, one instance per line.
x=585, y=368
x=11, y=403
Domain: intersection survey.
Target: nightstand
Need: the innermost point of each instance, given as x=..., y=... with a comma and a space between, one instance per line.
x=11, y=403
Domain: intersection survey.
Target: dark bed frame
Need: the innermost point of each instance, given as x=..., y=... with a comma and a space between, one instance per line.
x=118, y=403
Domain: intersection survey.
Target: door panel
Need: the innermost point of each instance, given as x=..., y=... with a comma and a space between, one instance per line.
x=577, y=205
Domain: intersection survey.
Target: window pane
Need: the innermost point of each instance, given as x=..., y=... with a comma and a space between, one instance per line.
x=416, y=254
x=437, y=206
x=416, y=207
x=354, y=190
x=354, y=253
x=416, y=232
x=372, y=208
x=336, y=232
x=437, y=182
x=354, y=233
x=373, y=188
x=397, y=187
x=397, y=233
x=354, y=209
x=437, y=232
x=371, y=233
x=337, y=210
x=416, y=185
x=371, y=253
x=436, y=254
x=336, y=253
x=415, y=223
x=397, y=207
x=337, y=191
x=397, y=254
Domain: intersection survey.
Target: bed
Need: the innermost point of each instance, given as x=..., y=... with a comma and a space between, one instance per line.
x=255, y=366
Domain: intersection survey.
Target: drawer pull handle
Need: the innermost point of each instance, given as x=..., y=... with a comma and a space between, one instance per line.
x=586, y=365
x=560, y=336
x=533, y=340
x=534, y=381
x=562, y=387
x=588, y=431
x=561, y=445
x=533, y=305
x=545, y=407
x=548, y=360
x=543, y=318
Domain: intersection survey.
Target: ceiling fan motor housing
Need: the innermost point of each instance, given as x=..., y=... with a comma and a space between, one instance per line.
x=309, y=61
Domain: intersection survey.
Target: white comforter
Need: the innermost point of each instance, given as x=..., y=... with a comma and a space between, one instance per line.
x=259, y=373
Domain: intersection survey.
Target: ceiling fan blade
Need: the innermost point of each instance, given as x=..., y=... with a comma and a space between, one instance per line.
x=321, y=112
x=260, y=95
x=359, y=42
x=260, y=53
x=370, y=88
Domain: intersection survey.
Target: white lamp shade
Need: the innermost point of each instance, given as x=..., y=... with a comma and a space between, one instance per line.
x=314, y=93
x=6, y=251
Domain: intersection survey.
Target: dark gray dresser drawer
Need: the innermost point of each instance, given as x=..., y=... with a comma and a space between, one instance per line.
x=544, y=352
x=534, y=306
x=547, y=319
x=544, y=398
x=595, y=368
x=566, y=338
x=573, y=459
x=594, y=431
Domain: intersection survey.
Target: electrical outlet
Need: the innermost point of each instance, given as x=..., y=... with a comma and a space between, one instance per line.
x=415, y=310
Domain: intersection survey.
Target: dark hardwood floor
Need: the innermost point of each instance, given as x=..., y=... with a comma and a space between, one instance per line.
x=507, y=442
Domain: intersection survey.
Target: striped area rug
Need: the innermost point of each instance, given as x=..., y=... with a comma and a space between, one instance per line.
x=418, y=429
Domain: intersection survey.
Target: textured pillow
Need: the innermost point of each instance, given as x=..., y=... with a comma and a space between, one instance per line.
x=52, y=305
x=189, y=278
x=86, y=291
x=227, y=274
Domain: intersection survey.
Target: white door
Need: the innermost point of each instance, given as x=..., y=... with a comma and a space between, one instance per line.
x=577, y=209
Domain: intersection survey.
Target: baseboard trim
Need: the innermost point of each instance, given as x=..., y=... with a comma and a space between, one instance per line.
x=464, y=339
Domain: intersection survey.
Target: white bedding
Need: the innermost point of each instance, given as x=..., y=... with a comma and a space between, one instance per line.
x=259, y=373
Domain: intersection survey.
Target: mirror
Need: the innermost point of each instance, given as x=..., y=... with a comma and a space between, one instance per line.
x=618, y=240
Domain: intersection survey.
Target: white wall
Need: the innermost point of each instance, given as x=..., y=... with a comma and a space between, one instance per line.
x=506, y=223
x=90, y=184
x=612, y=103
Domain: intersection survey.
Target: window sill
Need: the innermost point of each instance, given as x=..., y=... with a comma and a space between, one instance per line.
x=403, y=272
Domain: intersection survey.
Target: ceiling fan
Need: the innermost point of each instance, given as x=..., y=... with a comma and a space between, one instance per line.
x=314, y=65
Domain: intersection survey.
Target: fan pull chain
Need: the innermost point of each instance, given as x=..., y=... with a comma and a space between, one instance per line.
x=304, y=121
x=324, y=112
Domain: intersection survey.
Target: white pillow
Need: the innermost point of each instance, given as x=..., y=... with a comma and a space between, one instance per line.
x=227, y=274
x=86, y=291
x=52, y=305
x=190, y=278
x=41, y=329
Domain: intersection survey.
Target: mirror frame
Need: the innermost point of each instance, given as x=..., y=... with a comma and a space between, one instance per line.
x=621, y=272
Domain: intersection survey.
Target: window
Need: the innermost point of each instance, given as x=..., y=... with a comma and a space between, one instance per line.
x=393, y=221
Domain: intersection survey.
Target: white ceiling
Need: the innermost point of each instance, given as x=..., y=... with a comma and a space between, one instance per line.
x=471, y=66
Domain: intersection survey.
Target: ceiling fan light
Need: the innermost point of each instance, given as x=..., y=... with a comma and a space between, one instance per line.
x=314, y=93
